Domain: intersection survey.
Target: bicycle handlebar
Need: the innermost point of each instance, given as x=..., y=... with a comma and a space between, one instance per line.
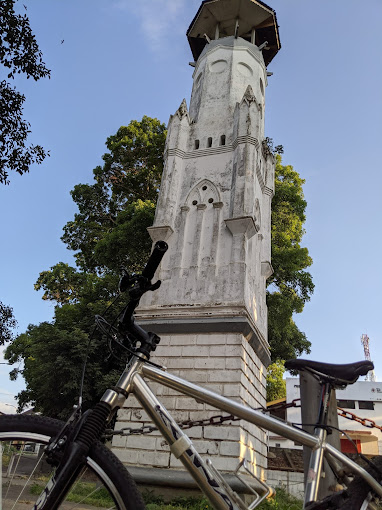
x=156, y=256
x=126, y=319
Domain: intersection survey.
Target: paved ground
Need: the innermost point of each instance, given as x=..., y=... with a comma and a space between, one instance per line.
x=26, y=502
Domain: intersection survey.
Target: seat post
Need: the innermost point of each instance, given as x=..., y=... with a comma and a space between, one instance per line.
x=318, y=408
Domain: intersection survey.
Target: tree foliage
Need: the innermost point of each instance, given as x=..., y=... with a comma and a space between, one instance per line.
x=118, y=207
x=108, y=232
x=19, y=54
x=276, y=385
x=290, y=286
x=7, y=323
x=53, y=356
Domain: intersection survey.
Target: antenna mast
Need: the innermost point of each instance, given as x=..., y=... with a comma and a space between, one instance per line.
x=370, y=376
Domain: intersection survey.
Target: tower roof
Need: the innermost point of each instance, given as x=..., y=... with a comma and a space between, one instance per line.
x=226, y=14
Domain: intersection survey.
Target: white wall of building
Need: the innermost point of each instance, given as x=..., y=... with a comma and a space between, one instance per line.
x=359, y=393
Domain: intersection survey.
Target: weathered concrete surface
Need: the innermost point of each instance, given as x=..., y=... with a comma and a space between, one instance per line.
x=215, y=201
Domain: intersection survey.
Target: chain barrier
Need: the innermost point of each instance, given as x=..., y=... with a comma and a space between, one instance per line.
x=219, y=419
x=293, y=403
x=188, y=424
x=366, y=422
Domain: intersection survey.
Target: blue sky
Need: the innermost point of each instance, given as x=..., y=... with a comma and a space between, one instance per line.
x=121, y=60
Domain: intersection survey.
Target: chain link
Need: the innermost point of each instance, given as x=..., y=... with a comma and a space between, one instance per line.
x=188, y=424
x=293, y=403
x=366, y=422
x=219, y=419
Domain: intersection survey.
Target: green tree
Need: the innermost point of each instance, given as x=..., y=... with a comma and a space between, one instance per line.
x=53, y=356
x=7, y=323
x=290, y=286
x=108, y=232
x=121, y=202
x=276, y=386
x=19, y=54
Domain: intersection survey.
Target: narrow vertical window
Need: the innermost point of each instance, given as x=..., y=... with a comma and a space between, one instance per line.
x=196, y=144
x=222, y=140
x=209, y=142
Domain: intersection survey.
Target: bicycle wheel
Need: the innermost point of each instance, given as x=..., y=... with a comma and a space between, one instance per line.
x=359, y=493
x=104, y=482
x=358, y=496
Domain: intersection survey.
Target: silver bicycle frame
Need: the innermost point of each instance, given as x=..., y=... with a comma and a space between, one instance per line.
x=181, y=446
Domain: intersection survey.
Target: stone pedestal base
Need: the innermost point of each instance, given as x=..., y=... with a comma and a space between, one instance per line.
x=225, y=363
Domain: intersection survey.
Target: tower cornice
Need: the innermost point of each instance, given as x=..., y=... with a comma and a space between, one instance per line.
x=214, y=319
x=198, y=153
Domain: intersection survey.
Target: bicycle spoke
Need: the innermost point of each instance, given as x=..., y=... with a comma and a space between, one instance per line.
x=13, y=475
x=26, y=483
x=85, y=497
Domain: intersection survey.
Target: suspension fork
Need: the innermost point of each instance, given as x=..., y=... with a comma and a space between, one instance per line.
x=77, y=449
x=74, y=459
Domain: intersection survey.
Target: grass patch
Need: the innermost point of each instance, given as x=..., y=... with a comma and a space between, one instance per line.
x=82, y=492
x=102, y=498
x=154, y=502
x=281, y=501
x=7, y=451
x=6, y=457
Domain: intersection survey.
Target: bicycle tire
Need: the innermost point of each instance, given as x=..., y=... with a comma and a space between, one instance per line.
x=28, y=429
x=358, y=496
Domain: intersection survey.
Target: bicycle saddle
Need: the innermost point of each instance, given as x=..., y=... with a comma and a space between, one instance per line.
x=342, y=374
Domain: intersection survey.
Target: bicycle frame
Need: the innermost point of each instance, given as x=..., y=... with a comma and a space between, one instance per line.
x=132, y=381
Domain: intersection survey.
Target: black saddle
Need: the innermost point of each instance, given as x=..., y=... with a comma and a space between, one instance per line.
x=337, y=374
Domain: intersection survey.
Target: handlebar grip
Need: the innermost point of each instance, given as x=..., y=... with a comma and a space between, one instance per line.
x=159, y=250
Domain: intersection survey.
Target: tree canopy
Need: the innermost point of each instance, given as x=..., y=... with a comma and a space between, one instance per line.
x=53, y=356
x=7, y=323
x=109, y=232
x=19, y=54
x=276, y=384
x=290, y=285
x=121, y=203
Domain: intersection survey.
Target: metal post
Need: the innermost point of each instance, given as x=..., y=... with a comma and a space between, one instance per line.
x=310, y=391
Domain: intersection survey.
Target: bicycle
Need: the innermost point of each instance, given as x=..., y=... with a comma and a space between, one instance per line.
x=80, y=461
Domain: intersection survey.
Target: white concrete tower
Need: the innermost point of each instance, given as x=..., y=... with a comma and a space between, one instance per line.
x=214, y=210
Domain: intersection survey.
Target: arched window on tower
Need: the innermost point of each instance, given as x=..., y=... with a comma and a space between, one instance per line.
x=202, y=208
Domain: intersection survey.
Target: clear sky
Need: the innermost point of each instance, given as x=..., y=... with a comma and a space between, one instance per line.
x=122, y=59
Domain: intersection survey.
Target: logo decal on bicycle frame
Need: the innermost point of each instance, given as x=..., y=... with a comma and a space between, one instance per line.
x=44, y=495
x=194, y=456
